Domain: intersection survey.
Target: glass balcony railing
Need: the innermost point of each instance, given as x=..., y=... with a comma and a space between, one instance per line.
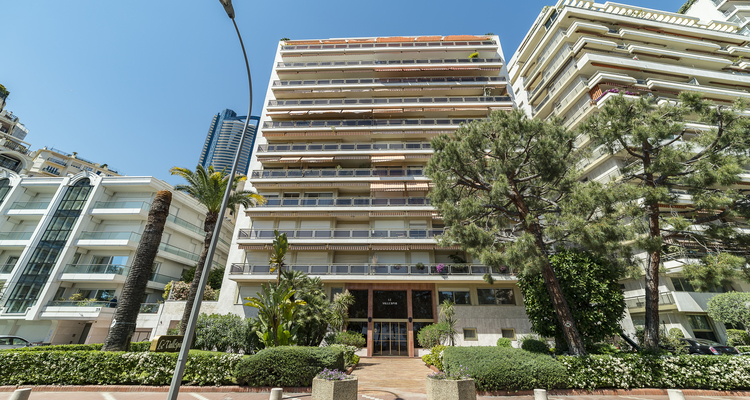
x=640, y=301
x=96, y=269
x=163, y=279
x=7, y=268
x=342, y=233
x=270, y=148
x=29, y=205
x=79, y=303
x=143, y=205
x=367, y=81
x=371, y=269
x=15, y=235
x=385, y=63
x=388, y=101
x=178, y=251
x=353, y=123
x=341, y=173
x=187, y=225
x=149, y=308
x=387, y=45
x=88, y=235
x=348, y=202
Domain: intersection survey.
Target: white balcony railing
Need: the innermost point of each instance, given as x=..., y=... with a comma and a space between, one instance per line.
x=337, y=173
x=332, y=233
x=315, y=147
x=379, y=81
x=371, y=269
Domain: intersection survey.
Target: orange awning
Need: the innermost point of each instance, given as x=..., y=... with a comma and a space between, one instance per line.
x=416, y=186
x=387, y=187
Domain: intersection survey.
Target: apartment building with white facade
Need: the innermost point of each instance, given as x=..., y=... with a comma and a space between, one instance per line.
x=344, y=138
x=77, y=235
x=52, y=162
x=578, y=54
x=735, y=11
x=15, y=154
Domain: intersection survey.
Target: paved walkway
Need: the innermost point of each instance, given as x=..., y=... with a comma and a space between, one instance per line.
x=392, y=377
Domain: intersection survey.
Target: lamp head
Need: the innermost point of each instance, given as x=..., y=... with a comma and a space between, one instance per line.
x=228, y=7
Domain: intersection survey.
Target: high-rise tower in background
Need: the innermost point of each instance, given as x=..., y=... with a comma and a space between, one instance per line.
x=222, y=141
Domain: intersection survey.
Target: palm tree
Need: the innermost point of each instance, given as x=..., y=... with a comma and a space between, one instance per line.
x=118, y=338
x=208, y=187
x=280, y=246
x=277, y=310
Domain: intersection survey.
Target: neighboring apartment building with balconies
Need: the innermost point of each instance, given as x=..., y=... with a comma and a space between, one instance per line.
x=577, y=55
x=735, y=11
x=53, y=163
x=344, y=138
x=77, y=235
x=14, y=152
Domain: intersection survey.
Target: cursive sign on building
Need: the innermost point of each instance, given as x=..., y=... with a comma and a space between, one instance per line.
x=161, y=344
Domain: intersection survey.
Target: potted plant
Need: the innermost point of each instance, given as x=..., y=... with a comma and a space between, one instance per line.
x=334, y=384
x=420, y=266
x=453, y=385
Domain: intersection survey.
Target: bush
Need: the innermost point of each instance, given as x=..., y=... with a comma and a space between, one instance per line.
x=287, y=365
x=348, y=353
x=638, y=370
x=433, y=335
x=136, y=347
x=61, y=347
x=111, y=368
x=504, y=342
x=603, y=348
x=676, y=333
x=743, y=349
x=737, y=337
x=435, y=357
x=180, y=291
x=501, y=368
x=224, y=333
x=350, y=338
x=535, y=346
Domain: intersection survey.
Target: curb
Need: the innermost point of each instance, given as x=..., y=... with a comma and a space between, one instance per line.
x=616, y=392
x=144, y=389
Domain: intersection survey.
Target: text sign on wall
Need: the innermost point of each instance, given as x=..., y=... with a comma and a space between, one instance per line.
x=166, y=343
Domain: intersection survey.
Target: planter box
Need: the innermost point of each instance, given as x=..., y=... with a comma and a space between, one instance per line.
x=335, y=390
x=438, y=389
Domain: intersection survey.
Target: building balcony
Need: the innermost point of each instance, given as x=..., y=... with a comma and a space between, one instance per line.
x=15, y=239
x=34, y=208
x=77, y=310
x=388, y=47
x=7, y=268
x=121, y=208
x=323, y=202
x=639, y=302
x=357, y=173
x=422, y=64
x=346, y=147
x=388, y=82
x=348, y=235
x=108, y=240
x=109, y=273
x=367, y=124
x=240, y=272
x=312, y=104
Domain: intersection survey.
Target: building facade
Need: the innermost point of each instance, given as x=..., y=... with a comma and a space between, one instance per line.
x=223, y=140
x=344, y=138
x=15, y=154
x=577, y=55
x=66, y=244
x=52, y=162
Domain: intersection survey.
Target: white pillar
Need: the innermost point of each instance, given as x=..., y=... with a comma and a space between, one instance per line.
x=276, y=394
x=541, y=394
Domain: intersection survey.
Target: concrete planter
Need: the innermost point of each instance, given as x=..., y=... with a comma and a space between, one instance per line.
x=334, y=390
x=438, y=389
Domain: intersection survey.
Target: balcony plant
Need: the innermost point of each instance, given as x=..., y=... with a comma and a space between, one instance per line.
x=420, y=266
x=334, y=384
x=451, y=385
x=441, y=269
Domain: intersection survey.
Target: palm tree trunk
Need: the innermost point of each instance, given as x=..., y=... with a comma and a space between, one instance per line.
x=208, y=227
x=134, y=290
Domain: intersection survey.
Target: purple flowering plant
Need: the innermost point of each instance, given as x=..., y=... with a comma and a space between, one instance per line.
x=440, y=268
x=459, y=374
x=333, y=375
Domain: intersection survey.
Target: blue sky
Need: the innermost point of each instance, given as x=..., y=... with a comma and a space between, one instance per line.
x=134, y=83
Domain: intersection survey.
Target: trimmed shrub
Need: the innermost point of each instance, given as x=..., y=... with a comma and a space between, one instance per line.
x=348, y=353
x=535, y=346
x=287, y=365
x=743, y=349
x=504, y=342
x=111, y=368
x=433, y=335
x=638, y=370
x=501, y=368
x=737, y=337
x=136, y=347
x=350, y=338
x=435, y=357
x=61, y=347
x=224, y=333
x=676, y=333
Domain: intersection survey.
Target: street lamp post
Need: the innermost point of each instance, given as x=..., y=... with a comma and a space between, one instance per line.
x=179, y=370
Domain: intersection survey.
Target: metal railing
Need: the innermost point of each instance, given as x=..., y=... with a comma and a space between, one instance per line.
x=96, y=269
x=386, y=45
x=11, y=145
x=333, y=233
x=370, y=269
x=187, y=225
x=341, y=173
x=143, y=205
x=15, y=235
x=270, y=148
x=149, y=308
x=353, y=123
x=58, y=161
x=365, y=81
x=348, y=202
x=640, y=301
x=385, y=63
x=29, y=205
x=388, y=100
x=78, y=303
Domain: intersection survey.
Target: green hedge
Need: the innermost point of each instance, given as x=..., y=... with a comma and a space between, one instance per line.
x=502, y=368
x=110, y=368
x=134, y=347
x=287, y=365
x=743, y=349
x=638, y=371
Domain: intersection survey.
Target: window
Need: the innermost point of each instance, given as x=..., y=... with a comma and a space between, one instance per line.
x=457, y=296
x=682, y=285
x=470, y=334
x=421, y=304
x=551, y=19
x=76, y=258
x=496, y=296
x=359, y=308
x=701, y=327
x=509, y=333
x=99, y=295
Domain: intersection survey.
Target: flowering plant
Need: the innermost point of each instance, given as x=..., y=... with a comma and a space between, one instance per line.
x=457, y=375
x=333, y=375
x=440, y=268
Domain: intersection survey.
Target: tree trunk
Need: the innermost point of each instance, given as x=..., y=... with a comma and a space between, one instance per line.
x=651, y=329
x=208, y=227
x=134, y=290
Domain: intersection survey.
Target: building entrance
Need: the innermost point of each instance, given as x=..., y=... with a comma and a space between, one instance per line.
x=390, y=339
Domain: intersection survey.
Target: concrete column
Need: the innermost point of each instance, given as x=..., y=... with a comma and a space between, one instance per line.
x=675, y=394
x=540, y=394
x=275, y=394
x=20, y=394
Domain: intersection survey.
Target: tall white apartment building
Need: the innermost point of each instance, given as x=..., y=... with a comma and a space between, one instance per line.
x=577, y=55
x=344, y=138
x=735, y=11
x=76, y=236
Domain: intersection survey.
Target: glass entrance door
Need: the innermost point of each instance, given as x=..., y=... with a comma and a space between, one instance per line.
x=389, y=339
